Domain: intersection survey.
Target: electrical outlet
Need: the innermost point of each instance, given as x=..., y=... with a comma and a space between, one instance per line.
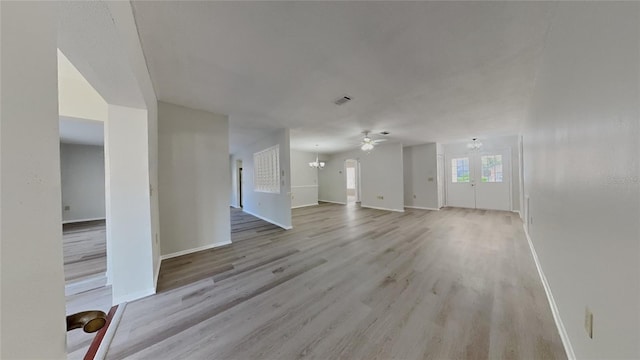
x=67, y=208
x=430, y=179
x=380, y=197
x=588, y=322
x=414, y=196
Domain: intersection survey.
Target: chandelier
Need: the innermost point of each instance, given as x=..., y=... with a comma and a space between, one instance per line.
x=474, y=145
x=317, y=164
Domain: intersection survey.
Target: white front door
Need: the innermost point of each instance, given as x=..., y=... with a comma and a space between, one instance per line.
x=493, y=183
x=460, y=187
x=480, y=180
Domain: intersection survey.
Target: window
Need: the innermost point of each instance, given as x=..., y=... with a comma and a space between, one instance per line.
x=491, y=168
x=460, y=170
x=266, y=170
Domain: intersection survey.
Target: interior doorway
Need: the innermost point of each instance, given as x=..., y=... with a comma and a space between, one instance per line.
x=239, y=166
x=352, y=177
x=82, y=115
x=480, y=180
x=441, y=182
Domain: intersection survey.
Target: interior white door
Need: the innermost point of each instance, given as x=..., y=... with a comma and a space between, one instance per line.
x=460, y=186
x=493, y=181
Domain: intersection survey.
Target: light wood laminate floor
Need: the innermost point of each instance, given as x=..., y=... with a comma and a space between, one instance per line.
x=351, y=283
x=78, y=341
x=84, y=249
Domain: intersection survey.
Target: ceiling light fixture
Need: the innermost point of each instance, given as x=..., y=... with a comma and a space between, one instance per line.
x=474, y=145
x=317, y=164
x=367, y=143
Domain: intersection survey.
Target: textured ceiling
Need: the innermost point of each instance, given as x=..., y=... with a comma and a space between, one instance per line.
x=424, y=71
x=89, y=39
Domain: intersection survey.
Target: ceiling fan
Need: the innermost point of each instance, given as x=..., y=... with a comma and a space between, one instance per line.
x=368, y=143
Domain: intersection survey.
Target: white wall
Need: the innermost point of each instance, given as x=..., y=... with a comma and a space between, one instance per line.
x=129, y=239
x=122, y=16
x=32, y=303
x=82, y=176
x=488, y=144
x=76, y=97
x=304, y=179
x=581, y=174
x=381, y=175
x=194, y=179
x=275, y=208
x=332, y=180
x=420, y=176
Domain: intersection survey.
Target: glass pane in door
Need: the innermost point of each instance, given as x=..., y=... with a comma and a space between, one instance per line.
x=491, y=167
x=460, y=170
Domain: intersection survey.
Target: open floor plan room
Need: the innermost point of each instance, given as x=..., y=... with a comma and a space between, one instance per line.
x=281, y=180
x=352, y=283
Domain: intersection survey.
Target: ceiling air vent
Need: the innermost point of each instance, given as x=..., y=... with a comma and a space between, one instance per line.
x=342, y=100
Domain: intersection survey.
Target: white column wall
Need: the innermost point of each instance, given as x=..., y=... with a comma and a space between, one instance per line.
x=129, y=240
x=32, y=312
x=122, y=15
x=420, y=176
x=194, y=179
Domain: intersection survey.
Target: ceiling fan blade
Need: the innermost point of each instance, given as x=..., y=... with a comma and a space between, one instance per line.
x=379, y=141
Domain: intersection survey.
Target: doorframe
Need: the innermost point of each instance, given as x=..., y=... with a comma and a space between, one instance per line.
x=357, y=179
x=240, y=187
x=239, y=170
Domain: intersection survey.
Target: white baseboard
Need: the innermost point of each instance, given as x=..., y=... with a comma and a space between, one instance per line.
x=189, y=251
x=101, y=353
x=268, y=220
x=134, y=296
x=421, y=208
x=82, y=220
x=333, y=202
x=380, y=208
x=552, y=303
x=305, y=205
